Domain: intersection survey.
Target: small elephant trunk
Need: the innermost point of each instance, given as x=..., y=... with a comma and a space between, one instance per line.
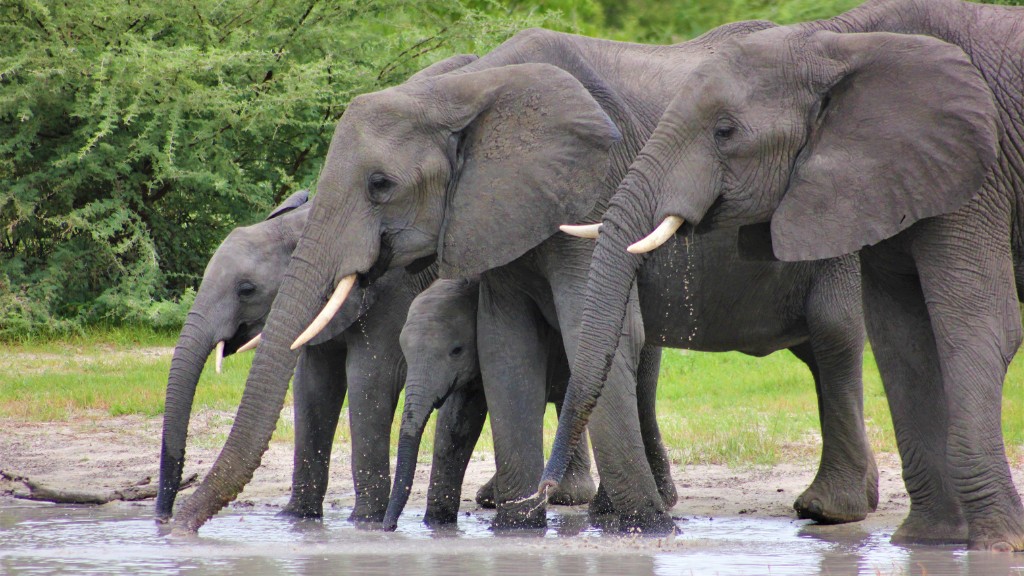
x=414, y=421
x=194, y=345
x=612, y=273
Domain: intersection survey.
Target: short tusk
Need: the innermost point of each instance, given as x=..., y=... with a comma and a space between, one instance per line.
x=661, y=234
x=219, y=358
x=250, y=344
x=330, y=309
x=581, y=230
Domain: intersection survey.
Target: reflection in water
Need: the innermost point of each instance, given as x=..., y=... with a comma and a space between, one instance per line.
x=46, y=539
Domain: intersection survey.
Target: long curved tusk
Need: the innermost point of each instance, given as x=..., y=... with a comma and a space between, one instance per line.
x=250, y=344
x=330, y=309
x=218, y=360
x=661, y=234
x=581, y=230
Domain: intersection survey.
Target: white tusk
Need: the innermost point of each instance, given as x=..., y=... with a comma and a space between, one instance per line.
x=330, y=309
x=250, y=344
x=219, y=359
x=581, y=230
x=661, y=234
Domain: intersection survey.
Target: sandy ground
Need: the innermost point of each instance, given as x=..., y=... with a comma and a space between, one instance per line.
x=98, y=453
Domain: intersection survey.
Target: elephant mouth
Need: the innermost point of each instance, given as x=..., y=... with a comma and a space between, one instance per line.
x=246, y=332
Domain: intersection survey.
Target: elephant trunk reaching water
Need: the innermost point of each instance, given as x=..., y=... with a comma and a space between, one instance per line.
x=265, y=389
x=414, y=421
x=190, y=354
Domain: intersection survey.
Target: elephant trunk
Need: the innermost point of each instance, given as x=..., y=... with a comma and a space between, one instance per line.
x=612, y=273
x=194, y=345
x=300, y=296
x=414, y=421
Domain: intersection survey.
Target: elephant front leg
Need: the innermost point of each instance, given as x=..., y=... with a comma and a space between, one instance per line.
x=904, y=347
x=319, y=391
x=372, y=401
x=845, y=489
x=974, y=313
x=458, y=426
x=513, y=364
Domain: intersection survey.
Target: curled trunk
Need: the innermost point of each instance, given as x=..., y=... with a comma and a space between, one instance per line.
x=612, y=273
x=190, y=354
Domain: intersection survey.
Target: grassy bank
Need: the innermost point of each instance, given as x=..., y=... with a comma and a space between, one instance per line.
x=713, y=408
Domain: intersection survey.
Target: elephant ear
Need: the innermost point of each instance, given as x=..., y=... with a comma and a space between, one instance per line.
x=907, y=130
x=291, y=203
x=532, y=153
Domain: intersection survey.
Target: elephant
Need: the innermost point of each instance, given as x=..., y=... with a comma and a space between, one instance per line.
x=475, y=169
x=439, y=344
x=894, y=130
x=359, y=353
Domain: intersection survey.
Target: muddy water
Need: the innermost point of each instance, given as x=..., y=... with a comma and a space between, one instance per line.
x=47, y=539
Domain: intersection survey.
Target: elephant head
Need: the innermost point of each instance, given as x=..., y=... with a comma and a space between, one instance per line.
x=231, y=306
x=439, y=344
x=472, y=168
x=838, y=140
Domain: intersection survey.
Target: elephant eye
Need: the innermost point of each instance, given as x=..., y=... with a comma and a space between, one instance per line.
x=378, y=185
x=456, y=351
x=246, y=289
x=724, y=132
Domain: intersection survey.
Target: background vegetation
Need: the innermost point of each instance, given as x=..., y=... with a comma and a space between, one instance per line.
x=135, y=134
x=713, y=408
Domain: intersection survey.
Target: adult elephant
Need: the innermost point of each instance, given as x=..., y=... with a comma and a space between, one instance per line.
x=477, y=168
x=850, y=132
x=359, y=353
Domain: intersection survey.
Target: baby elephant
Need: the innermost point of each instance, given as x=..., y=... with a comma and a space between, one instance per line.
x=439, y=343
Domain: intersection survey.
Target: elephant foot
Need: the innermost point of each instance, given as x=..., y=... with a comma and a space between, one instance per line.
x=441, y=513
x=601, y=503
x=299, y=510
x=996, y=533
x=573, y=490
x=367, y=519
x=829, y=500
x=924, y=529
x=652, y=523
x=525, y=513
x=485, y=495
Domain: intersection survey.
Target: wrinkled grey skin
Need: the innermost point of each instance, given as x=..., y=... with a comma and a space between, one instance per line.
x=359, y=352
x=853, y=132
x=477, y=168
x=439, y=344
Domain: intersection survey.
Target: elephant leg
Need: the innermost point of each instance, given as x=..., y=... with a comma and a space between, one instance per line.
x=513, y=364
x=646, y=396
x=971, y=300
x=459, y=422
x=904, y=347
x=318, y=391
x=845, y=488
x=577, y=486
x=376, y=375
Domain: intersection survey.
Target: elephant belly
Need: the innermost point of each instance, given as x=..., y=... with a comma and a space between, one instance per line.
x=699, y=295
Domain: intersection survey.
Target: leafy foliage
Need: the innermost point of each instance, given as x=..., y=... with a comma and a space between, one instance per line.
x=134, y=135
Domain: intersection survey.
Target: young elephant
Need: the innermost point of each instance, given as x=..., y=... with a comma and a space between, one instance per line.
x=439, y=343
x=358, y=353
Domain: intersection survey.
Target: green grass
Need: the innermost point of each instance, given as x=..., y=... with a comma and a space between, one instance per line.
x=713, y=408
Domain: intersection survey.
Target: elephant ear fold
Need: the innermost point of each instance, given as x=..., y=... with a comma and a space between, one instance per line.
x=291, y=203
x=532, y=153
x=444, y=66
x=906, y=129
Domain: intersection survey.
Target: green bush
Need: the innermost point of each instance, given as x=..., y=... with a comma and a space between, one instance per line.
x=134, y=135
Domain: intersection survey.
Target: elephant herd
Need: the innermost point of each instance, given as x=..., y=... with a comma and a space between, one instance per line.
x=807, y=186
